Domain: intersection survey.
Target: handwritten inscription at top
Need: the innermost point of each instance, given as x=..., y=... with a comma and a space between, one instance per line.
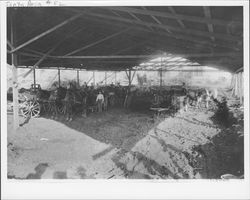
x=33, y=3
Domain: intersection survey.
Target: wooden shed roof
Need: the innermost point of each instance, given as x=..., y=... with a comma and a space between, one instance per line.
x=119, y=38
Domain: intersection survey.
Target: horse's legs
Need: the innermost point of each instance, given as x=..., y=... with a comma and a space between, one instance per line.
x=70, y=112
x=67, y=110
x=56, y=112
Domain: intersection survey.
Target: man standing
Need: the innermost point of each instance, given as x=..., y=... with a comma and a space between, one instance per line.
x=100, y=101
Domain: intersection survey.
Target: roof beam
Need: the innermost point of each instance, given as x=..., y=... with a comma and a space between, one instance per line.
x=173, y=16
x=178, y=20
x=55, y=46
x=10, y=45
x=197, y=55
x=138, y=19
x=188, y=31
x=97, y=42
x=209, y=25
x=132, y=61
x=176, y=35
x=156, y=20
x=46, y=32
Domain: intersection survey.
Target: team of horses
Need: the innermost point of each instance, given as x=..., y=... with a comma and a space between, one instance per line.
x=176, y=97
x=72, y=100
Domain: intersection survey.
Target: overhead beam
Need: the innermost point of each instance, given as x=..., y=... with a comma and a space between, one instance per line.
x=138, y=19
x=156, y=20
x=44, y=56
x=172, y=10
x=132, y=61
x=173, y=16
x=208, y=15
x=172, y=28
x=10, y=45
x=97, y=42
x=165, y=34
x=147, y=56
x=46, y=32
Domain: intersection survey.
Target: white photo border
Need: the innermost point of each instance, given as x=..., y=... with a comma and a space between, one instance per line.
x=123, y=189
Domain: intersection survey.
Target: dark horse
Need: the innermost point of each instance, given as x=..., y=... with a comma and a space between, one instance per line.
x=75, y=100
x=42, y=96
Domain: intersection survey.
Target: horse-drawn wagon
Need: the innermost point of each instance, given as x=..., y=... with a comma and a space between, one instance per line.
x=27, y=98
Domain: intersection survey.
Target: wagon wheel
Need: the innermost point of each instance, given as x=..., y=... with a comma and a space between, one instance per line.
x=30, y=108
x=61, y=109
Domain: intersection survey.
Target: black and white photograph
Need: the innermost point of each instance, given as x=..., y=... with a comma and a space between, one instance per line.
x=149, y=92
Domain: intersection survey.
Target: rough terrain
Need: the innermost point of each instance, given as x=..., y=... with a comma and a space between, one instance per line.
x=124, y=144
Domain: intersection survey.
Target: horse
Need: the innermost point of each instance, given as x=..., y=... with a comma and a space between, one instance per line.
x=74, y=99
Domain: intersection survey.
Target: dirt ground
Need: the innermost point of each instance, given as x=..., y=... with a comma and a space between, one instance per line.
x=124, y=144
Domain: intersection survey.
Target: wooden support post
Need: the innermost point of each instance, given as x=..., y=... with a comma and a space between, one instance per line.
x=15, y=93
x=129, y=78
x=14, y=79
x=105, y=78
x=160, y=72
x=59, y=78
x=34, y=77
x=78, y=81
x=133, y=76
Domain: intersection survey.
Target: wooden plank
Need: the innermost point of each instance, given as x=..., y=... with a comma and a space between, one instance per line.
x=97, y=42
x=46, y=32
x=156, y=20
x=105, y=78
x=208, y=15
x=133, y=76
x=44, y=56
x=10, y=45
x=77, y=77
x=173, y=16
x=172, y=28
x=34, y=76
x=138, y=19
x=176, y=35
x=14, y=76
x=94, y=77
x=197, y=55
x=178, y=20
x=129, y=78
x=59, y=77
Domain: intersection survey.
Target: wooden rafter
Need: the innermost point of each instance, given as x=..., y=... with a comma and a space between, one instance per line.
x=197, y=55
x=97, y=42
x=208, y=15
x=172, y=16
x=46, y=32
x=187, y=31
x=172, y=10
x=156, y=20
x=138, y=19
x=180, y=36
